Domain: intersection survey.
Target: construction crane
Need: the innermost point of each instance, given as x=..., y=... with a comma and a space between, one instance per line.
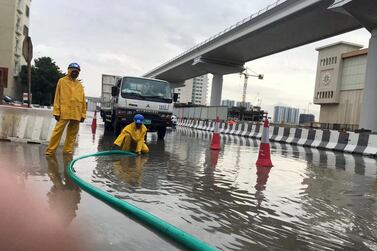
x=246, y=73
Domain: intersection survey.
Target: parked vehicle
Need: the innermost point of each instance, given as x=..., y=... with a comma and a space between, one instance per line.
x=123, y=97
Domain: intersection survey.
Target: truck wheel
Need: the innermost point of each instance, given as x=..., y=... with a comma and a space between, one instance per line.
x=161, y=133
x=116, y=127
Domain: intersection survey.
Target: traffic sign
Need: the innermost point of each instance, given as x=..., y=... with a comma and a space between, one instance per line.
x=27, y=49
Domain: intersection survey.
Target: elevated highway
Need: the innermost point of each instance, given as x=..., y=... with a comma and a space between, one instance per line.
x=281, y=26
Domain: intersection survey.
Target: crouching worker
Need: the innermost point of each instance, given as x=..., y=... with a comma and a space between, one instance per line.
x=132, y=136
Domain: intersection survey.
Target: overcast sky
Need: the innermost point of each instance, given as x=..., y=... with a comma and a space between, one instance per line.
x=124, y=37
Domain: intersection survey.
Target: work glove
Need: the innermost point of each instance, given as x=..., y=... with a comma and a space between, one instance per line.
x=82, y=120
x=57, y=118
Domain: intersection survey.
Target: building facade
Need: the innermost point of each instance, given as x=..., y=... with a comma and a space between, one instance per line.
x=227, y=102
x=286, y=115
x=339, y=82
x=195, y=91
x=14, y=26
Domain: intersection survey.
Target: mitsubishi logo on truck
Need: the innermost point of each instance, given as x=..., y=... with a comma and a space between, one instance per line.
x=148, y=106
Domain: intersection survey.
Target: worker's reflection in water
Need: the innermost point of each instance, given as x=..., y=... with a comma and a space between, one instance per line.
x=64, y=196
x=130, y=169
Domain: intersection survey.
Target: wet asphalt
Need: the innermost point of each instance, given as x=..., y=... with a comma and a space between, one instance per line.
x=309, y=200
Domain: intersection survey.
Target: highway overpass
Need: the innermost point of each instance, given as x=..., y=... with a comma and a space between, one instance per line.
x=281, y=26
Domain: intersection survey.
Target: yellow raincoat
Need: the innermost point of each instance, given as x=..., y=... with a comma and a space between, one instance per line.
x=70, y=107
x=132, y=139
x=69, y=100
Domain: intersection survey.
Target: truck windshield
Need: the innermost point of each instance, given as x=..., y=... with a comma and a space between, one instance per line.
x=148, y=89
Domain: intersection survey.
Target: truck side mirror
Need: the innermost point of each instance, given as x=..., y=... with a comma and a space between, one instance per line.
x=114, y=91
x=175, y=97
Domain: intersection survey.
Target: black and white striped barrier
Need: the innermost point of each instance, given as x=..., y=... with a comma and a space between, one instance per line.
x=360, y=143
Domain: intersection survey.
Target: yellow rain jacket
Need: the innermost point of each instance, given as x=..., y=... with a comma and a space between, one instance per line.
x=132, y=139
x=69, y=101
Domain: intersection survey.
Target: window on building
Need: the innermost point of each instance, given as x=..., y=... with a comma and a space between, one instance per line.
x=26, y=31
x=353, y=73
x=332, y=94
x=336, y=58
x=27, y=11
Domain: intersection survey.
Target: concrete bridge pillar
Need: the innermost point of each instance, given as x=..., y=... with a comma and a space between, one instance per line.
x=217, y=88
x=368, y=116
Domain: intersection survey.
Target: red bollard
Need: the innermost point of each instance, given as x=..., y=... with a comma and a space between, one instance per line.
x=264, y=156
x=215, y=143
x=94, y=123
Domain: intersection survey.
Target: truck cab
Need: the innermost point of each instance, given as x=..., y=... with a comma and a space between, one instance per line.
x=152, y=98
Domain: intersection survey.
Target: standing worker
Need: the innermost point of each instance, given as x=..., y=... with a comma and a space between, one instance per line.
x=132, y=136
x=69, y=108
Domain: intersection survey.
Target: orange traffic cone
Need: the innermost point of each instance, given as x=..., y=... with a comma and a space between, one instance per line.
x=264, y=156
x=94, y=123
x=215, y=143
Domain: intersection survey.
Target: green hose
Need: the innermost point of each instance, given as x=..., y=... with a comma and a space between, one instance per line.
x=154, y=222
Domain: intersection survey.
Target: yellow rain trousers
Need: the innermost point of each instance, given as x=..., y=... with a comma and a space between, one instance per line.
x=132, y=139
x=70, y=106
x=64, y=195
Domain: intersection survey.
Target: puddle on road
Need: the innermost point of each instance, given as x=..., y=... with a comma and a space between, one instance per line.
x=309, y=200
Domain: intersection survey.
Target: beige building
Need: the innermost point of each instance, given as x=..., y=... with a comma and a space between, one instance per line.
x=339, y=82
x=14, y=25
x=195, y=91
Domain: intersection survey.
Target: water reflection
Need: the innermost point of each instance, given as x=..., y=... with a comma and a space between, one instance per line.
x=64, y=196
x=309, y=200
x=130, y=170
x=262, y=177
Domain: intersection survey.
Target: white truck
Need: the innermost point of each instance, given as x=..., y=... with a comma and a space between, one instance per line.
x=123, y=97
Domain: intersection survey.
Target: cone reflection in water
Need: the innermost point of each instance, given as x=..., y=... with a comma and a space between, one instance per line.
x=262, y=177
x=264, y=156
x=215, y=143
x=94, y=123
x=214, y=158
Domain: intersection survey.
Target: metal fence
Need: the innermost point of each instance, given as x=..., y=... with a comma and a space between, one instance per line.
x=203, y=113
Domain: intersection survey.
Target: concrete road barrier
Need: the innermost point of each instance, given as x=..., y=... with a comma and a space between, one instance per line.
x=363, y=143
x=31, y=125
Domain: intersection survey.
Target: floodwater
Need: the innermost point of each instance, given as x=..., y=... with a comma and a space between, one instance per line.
x=309, y=200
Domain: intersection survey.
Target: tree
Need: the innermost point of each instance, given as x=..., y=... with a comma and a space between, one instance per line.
x=44, y=77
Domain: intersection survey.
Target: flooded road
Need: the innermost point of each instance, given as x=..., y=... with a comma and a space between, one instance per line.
x=309, y=200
